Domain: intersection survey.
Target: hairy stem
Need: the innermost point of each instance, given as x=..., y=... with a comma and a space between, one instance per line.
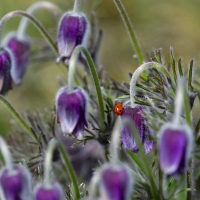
x=134, y=131
x=139, y=70
x=6, y=154
x=31, y=10
x=71, y=73
x=76, y=6
x=37, y=24
x=130, y=29
x=70, y=169
x=17, y=117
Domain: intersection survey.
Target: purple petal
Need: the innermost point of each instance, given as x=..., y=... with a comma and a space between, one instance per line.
x=116, y=182
x=68, y=110
x=83, y=100
x=15, y=184
x=71, y=110
x=20, y=50
x=71, y=32
x=5, y=67
x=148, y=145
x=78, y=130
x=172, y=149
x=52, y=192
x=135, y=114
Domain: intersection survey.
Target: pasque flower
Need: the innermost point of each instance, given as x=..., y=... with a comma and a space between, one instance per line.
x=175, y=144
x=135, y=115
x=84, y=158
x=116, y=182
x=20, y=49
x=5, y=67
x=72, y=31
x=50, y=192
x=71, y=110
x=15, y=183
x=176, y=138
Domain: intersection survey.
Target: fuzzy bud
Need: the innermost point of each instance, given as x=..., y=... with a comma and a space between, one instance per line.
x=72, y=31
x=71, y=110
x=20, y=50
x=116, y=182
x=5, y=67
x=15, y=184
x=52, y=192
x=175, y=144
x=135, y=115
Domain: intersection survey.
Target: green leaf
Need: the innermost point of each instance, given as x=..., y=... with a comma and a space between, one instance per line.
x=137, y=161
x=154, y=161
x=170, y=183
x=180, y=67
x=190, y=87
x=141, y=102
x=144, y=186
x=197, y=128
x=172, y=63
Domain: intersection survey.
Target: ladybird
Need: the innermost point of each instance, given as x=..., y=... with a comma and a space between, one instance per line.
x=118, y=108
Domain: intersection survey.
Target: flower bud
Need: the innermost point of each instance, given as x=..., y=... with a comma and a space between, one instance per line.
x=116, y=182
x=72, y=31
x=71, y=110
x=175, y=144
x=20, y=50
x=52, y=192
x=15, y=184
x=135, y=115
x=5, y=67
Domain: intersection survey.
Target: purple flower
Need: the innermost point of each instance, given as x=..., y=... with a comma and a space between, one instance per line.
x=135, y=115
x=174, y=147
x=71, y=110
x=116, y=182
x=15, y=184
x=20, y=50
x=5, y=67
x=50, y=192
x=72, y=31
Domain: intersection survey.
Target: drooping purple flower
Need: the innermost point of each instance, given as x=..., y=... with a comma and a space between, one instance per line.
x=50, y=192
x=135, y=115
x=174, y=147
x=20, y=49
x=5, y=67
x=116, y=182
x=72, y=31
x=71, y=110
x=15, y=184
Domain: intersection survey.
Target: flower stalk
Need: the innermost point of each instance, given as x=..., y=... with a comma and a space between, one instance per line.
x=181, y=102
x=130, y=29
x=31, y=10
x=76, y=8
x=134, y=131
x=137, y=73
x=17, y=117
x=37, y=24
x=6, y=154
x=71, y=74
x=115, y=140
x=70, y=171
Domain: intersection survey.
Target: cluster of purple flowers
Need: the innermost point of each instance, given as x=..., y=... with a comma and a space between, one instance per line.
x=115, y=180
x=15, y=182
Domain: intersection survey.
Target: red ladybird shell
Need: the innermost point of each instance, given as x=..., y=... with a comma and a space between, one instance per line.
x=118, y=108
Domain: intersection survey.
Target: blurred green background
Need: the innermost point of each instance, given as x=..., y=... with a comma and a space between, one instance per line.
x=158, y=24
